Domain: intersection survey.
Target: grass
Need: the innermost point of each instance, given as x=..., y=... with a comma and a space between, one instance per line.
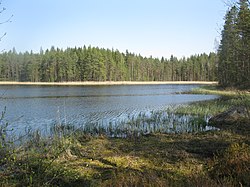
x=227, y=99
x=210, y=158
x=213, y=107
x=212, y=89
x=152, y=160
x=105, y=83
x=155, y=122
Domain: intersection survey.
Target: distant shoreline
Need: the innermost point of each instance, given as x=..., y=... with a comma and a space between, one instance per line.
x=105, y=83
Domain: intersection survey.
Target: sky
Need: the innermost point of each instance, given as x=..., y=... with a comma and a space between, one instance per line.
x=147, y=27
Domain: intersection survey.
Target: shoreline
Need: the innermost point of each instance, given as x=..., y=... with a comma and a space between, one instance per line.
x=107, y=83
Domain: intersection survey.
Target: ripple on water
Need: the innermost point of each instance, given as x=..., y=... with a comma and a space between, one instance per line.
x=43, y=107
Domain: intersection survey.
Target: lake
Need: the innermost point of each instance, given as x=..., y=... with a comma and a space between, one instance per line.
x=40, y=107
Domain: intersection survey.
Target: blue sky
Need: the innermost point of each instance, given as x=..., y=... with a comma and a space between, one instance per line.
x=149, y=27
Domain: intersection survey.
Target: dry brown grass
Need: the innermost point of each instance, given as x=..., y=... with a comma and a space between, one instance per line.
x=105, y=83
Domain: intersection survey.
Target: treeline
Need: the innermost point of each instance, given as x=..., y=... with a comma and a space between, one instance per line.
x=234, y=50
x=95, y=64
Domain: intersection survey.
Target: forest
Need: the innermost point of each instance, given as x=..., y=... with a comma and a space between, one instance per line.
x=95, y=64
x=230, y=65
x=234, y=50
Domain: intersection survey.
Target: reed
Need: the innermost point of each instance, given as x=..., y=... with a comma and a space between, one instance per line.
x=156, y=122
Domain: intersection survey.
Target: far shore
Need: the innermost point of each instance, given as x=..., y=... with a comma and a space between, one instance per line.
x=105, y=83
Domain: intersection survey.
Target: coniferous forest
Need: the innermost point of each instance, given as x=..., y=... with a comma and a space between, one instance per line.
x=95, y=64
x=230, y=66
x=234, y=50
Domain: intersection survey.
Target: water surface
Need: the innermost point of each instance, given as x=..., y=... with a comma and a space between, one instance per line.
x=39, y=107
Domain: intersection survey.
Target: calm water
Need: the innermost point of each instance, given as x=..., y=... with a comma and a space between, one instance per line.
x=42, y=106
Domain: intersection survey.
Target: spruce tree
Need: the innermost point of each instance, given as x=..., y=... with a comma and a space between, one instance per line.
x=228, y=50
x=234, y=50
x=243, y=24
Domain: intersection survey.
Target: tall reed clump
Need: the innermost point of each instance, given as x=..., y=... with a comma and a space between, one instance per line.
x=7, y=149
x=36, y=163
x=155, y=122
x=32, y=162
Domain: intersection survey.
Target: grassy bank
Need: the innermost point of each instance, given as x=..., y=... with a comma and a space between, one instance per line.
x=213, y=89
x=211, y=158
x=227, y=99
x=152, y=160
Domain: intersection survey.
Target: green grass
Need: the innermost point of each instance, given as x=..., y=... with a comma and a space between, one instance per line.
x=211, y=89
x=215, y=106
x=211, y=158
x=152, y=160
x=226, y=100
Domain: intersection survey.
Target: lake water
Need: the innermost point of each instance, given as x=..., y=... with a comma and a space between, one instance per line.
x=39, y=107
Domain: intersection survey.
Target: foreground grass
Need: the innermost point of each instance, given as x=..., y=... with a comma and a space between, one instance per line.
x=153, y=160
x=212, y=158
